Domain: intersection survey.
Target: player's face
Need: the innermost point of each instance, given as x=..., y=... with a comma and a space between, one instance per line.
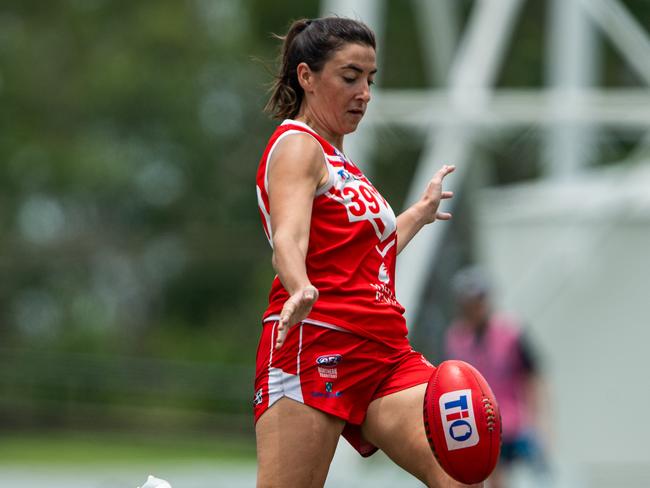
x=340, y=92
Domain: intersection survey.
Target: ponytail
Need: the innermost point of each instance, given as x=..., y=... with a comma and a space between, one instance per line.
x=286, y=91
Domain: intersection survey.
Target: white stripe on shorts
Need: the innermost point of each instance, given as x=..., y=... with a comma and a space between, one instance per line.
x=281, y=383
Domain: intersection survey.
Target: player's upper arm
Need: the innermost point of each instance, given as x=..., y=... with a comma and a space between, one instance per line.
x=295, y=172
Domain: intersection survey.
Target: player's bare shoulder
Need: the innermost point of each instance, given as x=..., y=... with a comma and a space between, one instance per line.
x=299, y=156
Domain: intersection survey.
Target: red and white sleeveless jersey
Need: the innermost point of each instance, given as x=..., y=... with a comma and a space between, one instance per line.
x=352, y=249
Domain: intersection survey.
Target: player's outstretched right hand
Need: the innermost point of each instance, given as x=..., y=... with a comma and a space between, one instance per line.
x=295, y=310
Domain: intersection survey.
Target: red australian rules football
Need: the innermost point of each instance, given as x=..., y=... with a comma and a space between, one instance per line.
x=462, y=422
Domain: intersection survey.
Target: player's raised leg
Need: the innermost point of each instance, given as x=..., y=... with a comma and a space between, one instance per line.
x=295, y=445
x=394, y=424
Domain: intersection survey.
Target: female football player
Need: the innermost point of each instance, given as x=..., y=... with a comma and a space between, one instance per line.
x=333, y=357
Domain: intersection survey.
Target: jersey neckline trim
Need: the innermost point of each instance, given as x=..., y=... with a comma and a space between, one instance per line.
x=309, y=128
x=297, y=122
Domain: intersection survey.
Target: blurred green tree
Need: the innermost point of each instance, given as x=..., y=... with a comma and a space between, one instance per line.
x=130, y=138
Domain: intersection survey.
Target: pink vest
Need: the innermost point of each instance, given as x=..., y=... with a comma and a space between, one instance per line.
x=498, y=359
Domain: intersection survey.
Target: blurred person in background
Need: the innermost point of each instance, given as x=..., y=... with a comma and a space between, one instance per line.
x=497, y=346
x=333, y=357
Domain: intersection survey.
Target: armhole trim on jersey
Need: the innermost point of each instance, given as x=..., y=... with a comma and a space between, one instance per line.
x=321, y=190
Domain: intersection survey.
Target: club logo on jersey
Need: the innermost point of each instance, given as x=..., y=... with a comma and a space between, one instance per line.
x=458, y=421
x=327, y=365
x=383, y=275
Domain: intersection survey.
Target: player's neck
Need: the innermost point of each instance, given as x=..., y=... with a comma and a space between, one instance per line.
x=312, y=121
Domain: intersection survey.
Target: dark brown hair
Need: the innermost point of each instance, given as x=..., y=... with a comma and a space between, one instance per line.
x=313, y=42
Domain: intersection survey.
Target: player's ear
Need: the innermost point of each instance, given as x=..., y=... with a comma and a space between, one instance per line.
x=305, y=77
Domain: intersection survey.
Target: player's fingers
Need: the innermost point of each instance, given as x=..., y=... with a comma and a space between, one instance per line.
x=295, y=309
x=284, y=323
x=441, y=173
x=309, y=294
x=282, y=334
x=443, y=216
x=288, y=310
x=447, y=194
x=445, y=170
x=449, y=168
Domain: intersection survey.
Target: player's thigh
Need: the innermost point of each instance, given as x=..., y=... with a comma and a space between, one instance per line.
x=394, y=424
x=295, y=445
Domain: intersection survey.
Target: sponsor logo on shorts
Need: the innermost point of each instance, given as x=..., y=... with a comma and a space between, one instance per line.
x=327, y=365
x=328, y=393
x=458, y=421
x=332, y=394
x=258, y=397
x=329, y=360
x=327, y=372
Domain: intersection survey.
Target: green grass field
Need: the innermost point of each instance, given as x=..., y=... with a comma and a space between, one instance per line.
x=102, y=448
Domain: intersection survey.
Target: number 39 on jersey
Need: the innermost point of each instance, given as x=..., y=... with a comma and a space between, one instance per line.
x=363, y=202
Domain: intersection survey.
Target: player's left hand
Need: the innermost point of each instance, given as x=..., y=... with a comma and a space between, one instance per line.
x=434, y=194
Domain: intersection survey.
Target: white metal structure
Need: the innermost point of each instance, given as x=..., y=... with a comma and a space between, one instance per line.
x=450, y=115
x=571, y=110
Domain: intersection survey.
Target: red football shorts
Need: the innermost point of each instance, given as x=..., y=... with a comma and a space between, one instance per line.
x=334, y=371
